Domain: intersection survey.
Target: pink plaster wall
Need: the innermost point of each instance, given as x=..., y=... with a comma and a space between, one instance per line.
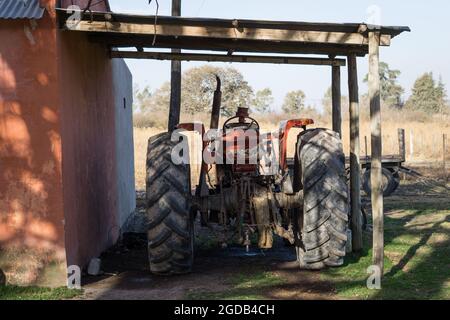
x=58, y=190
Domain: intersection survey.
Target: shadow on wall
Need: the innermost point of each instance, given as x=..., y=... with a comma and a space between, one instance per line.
x=31, y=206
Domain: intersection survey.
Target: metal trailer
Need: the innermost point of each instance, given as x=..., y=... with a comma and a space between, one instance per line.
x=392, y=166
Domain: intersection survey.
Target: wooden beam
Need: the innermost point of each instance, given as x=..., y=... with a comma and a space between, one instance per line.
x=355, y=165
x=175, y=81
x=336, y=99
x=376, y=167
x=225, y=45
x=236, y=33
x=227, y=58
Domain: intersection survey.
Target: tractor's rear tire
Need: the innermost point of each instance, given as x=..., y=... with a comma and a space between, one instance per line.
x=171, y=229
x=323, y=224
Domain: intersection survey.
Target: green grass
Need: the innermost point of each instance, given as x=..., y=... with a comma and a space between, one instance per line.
x=36, y=293
x=417, y=263
x=247, y=286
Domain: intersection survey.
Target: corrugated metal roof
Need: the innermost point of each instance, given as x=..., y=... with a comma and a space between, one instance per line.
x=21, y=9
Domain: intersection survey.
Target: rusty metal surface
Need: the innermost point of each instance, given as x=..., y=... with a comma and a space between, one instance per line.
x=21, y=9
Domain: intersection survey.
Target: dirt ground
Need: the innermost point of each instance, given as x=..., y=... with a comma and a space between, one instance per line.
x=232, y=273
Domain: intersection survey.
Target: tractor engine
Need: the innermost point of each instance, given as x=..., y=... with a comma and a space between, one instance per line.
x=240, y=144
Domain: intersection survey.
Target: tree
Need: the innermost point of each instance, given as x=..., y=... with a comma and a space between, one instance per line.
x=262, y=101
x=142, y=99
x=200, y=83
x=197, y=91
x=294, y=102
x=160, y=99
x=442, y=96
x=391, y=91
x=426, y=95
x=327, y=102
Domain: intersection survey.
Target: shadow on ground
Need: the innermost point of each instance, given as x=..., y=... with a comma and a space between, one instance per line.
x=417, y=237
x=229, y=273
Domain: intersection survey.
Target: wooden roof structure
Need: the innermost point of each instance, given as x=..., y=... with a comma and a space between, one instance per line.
x=229, y=35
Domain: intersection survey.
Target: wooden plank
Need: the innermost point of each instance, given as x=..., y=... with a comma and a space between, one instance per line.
x=336, y=99
x=256, y=34
x=227, y=58
x=376, y=168
x=225, y=45
x=175, y=80
x=355, y=164
x=393, y=31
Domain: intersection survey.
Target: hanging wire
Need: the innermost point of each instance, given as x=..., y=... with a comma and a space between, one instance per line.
x=156, y=20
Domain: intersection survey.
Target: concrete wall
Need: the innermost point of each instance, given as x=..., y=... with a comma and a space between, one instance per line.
x=88, y=148
x=123, y=96
x=31, y=200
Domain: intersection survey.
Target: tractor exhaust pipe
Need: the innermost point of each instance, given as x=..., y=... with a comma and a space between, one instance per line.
x=217, y=101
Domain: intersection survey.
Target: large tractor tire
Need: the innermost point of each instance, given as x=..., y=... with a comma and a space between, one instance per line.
x=323, y=224
x=171, y=229
x=390, y=182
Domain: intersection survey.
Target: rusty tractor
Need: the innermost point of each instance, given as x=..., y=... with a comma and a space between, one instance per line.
x=251, y=188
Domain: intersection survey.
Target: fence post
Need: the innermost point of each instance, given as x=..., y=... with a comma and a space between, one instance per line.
x=401, y=144
x=366, y=149
x=411, y=144
x=444, y=156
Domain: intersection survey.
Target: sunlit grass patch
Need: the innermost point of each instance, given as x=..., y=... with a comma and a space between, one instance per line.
x=36, y=293
x=417, y=263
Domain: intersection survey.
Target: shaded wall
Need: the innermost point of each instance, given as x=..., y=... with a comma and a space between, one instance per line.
x=31, y=199
x=88, y=148
x=123, y=95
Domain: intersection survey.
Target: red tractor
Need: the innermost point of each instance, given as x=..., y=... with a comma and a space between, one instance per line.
x=251, y=187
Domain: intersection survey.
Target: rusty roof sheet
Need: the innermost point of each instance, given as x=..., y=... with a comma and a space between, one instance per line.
x=21, y=9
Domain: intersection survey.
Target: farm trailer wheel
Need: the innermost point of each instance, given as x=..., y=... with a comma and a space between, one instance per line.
x=170, y=231
x=321, y=229
x=391, y=182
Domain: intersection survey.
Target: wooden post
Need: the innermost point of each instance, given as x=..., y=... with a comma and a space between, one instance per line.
x=366, y=148
x=376, y=168
x=444, y=157
x=355, y=162
x=336, y=99
x=411, y=144
x=175, y=83
x=401, y=144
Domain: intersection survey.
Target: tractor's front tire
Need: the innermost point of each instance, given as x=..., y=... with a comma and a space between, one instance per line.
x=323, y=224
x=169, y=210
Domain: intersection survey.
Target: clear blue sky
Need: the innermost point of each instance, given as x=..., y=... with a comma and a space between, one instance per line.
x=427, y=48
